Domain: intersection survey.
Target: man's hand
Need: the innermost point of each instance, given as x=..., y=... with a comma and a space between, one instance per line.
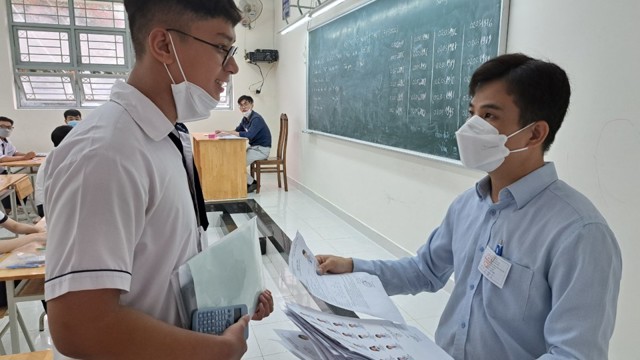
x=219, y=132
x=265, y=306
x=334, y=264
x=30, y=155
x=234, y=336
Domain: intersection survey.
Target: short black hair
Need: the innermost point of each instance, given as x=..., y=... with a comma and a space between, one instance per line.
x=245, y=97
x=177, y=14
x=4, y=118
x=540, y=89
x=72, y=112
x=58, y=134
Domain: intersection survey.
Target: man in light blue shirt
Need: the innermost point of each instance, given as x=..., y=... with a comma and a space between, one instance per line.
x=537, y=267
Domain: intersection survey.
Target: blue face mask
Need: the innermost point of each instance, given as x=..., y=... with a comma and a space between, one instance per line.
x=73, y=123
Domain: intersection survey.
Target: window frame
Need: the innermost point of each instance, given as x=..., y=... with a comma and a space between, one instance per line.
x=74, y=69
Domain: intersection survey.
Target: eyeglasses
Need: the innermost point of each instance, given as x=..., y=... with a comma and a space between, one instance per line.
x=228, y=52
x=245, y=104
x=8, y=127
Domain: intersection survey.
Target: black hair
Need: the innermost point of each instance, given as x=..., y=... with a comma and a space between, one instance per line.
x=58, y=134
x=177, y=14
x=540, y=89
x=245, y=97
x=4, y=118
x=72, y=112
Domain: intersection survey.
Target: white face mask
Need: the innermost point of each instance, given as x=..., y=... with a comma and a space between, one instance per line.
x=192, y=102
x=5, y=133
x=246, y=114
x=480, y=145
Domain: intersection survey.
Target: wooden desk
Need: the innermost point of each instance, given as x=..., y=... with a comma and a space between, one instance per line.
x=32, y=165
x=38, y=355
x=30, y=290
x=7, y=182
x=222, y=166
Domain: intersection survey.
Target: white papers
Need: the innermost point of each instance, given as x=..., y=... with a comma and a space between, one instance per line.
x=338, y=337
x=229, y=272
x=360, y=292
x=298, y=343
x=227, y=136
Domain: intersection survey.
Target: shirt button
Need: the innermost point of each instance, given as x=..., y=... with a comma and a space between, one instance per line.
x=463, y=325
x=492, y=212
x=471, y=287
x=481, y=248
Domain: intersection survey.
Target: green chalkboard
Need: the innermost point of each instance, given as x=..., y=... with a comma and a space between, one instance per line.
x=396, y=72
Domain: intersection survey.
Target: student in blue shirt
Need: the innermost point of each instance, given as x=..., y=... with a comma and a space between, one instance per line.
x=253, y=127
x=560, y=261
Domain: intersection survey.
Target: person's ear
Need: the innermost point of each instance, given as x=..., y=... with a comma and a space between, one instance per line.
x=159, y=46
x=540, y=131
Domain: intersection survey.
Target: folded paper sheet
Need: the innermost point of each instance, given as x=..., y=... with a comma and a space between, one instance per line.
x=229, y=272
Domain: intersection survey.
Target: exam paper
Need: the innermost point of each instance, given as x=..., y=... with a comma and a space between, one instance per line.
x=229, y=272
x=298, y=343
x=338, y=337
x=360, y=292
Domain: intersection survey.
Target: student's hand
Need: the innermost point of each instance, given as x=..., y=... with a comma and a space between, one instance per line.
x=30, y=155
x=235, y=337
x=334, y=264
x=219, y=131
x=265, y=306
x=39, y=229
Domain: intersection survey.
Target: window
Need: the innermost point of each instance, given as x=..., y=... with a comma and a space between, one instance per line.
x=68, y=53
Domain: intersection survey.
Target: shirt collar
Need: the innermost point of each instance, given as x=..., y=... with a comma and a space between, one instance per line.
x=143, y=111
x=524, y=189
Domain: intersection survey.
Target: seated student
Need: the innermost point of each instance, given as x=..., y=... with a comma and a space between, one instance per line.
x=57, y=135
x=537, y=268
x=9, y=152
x=72, y=117
x=33, y=233
x=253, y=127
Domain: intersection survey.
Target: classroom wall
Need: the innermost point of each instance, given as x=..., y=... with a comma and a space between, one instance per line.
x=402, y=198
x=33, y=127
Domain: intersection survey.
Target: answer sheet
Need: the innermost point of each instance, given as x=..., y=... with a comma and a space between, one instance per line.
x=359, y=292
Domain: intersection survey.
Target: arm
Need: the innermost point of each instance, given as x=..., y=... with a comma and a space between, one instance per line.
x=91, y=324
x=429, y=270
x=584, y=278
x=11, y=244
x=26, y=156
x=257, y=124
x=232, y=132
x=20, y=228
x=229, y=132
x=18, y=156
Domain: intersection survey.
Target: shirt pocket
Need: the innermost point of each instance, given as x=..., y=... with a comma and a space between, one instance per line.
x=510, y=302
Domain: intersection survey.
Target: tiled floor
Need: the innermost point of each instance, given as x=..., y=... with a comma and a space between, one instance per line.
x=325, y=233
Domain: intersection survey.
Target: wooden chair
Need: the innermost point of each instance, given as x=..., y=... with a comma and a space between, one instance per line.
x=278, y=164
x=24, y=190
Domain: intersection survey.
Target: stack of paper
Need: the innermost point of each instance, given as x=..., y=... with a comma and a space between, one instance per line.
x=327, y=337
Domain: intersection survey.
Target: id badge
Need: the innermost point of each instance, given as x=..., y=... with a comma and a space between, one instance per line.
x=495, y=268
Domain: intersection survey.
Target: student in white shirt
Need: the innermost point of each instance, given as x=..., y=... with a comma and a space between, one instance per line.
x=120, y=214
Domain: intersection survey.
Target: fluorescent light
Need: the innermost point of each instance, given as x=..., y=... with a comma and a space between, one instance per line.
x=300, y=21
x=326, y=6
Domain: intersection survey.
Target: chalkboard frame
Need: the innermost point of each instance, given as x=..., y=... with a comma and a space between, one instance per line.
x=501, y=49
